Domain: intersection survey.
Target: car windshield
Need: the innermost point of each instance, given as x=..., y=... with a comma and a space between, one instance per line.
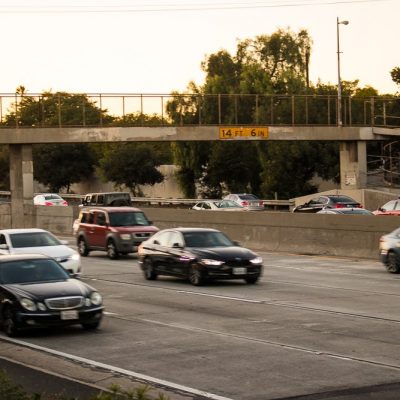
x=33, y=239
x=207, y=239
x=30, y=271
x=128, y=219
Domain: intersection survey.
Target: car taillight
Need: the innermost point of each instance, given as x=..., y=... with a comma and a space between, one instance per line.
x=261, y=204
x=359, y=206
x=340, y=206
x=244, y=203
x=48, y=203
x=64, y=203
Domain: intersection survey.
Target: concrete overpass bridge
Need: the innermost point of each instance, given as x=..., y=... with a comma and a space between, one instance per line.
x=308, y=118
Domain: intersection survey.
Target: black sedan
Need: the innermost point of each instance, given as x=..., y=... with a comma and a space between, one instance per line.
x=36, y=291
x=326, y=202
x=197, y=254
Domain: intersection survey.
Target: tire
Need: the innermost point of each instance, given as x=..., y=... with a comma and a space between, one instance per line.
x=9, y=326
x=90, y=326
x=196, y=276
x=393, y=263
x=112, y=251
x=148, y=270
x=82, y=247
x=251, y=280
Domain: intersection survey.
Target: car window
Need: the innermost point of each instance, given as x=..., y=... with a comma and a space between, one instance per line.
x=24, y=271
x=52, y=197
x=206, y=206
x=248, y=197
x=206, y=239
x=162, y=238
x=100, y=218
x=175, y=239
x=33, y=239
x=3, y=239
x=389, y=206
x=100, y=199
x=131, y=218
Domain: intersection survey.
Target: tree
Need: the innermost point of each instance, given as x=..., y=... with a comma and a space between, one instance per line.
x=59, y=166
x=395, y=74
x=132, y=165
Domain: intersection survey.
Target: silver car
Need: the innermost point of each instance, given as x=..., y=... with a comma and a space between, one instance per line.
x=389, y=251
x=248, y=201
x=220, y=205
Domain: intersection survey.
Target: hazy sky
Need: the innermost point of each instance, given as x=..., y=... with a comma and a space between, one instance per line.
x=156, y=46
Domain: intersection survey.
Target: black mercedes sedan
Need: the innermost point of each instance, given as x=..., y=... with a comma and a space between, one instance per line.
x=36, y=291
x=199, y=255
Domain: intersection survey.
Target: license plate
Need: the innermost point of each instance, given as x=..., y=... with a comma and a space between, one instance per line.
x=70, y=314
x=239, y=271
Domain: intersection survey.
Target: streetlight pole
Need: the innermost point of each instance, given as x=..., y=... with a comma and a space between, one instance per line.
x=339, y=107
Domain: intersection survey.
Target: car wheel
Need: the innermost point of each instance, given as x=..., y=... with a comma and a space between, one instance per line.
x=393, y=263
x=251, y=279
x=148, y=270
x=9, y=323
x=112, y=250
x=82, y=247
x=196, y=276
x=89, y=326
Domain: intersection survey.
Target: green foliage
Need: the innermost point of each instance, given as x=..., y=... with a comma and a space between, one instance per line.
x=395, y=74
x=59, y=166
x=131, y=164
x=4, y=168
x=10, y=391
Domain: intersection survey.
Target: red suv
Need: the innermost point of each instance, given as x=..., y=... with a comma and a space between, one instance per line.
x=116, y=230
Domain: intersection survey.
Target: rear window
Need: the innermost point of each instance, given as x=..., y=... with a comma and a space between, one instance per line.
x=248, y=197
x=343, y=199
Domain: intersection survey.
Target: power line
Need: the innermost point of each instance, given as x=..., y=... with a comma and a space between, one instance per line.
x=157, y=7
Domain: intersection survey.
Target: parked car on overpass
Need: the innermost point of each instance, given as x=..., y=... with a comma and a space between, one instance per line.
x=392, y=207
x=49, y=199
x=327, y=201
x=345, y=211
x=218, y=205
x=39, y=241
x=249, y=201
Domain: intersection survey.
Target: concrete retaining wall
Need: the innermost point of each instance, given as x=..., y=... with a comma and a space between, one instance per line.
x=336, y=235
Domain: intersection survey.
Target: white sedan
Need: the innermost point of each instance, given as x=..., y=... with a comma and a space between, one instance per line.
x=39, y=241
x=49, y=199
x=218, y=205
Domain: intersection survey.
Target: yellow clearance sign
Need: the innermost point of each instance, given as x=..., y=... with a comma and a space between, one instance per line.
x=235, y=132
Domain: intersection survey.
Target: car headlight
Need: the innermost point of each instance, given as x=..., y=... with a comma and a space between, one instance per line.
x=28, y=304
x=75, y=257
x=125, y=236
x=96, y=299
x=257, y=260
x=208, y=261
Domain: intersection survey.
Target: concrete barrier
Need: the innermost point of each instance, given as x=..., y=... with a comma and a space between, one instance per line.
x=335, y=235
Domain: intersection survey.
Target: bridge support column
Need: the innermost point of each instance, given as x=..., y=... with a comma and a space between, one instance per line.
x=21, y=185
x=353, y=165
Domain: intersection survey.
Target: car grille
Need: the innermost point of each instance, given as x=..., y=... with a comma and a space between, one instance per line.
x=238, y=263
x=64, y=303
x=143, y=235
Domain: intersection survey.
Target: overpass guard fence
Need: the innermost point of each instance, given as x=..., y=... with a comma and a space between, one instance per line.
x=97, y=110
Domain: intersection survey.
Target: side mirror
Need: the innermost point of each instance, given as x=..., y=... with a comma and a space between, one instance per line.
x=381, y=209
x=156, y=242
x=3, y=246
x=74, y=275
x=236, y=243
x=177, y=246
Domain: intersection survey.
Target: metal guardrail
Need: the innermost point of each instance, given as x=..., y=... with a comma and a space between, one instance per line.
x=94, y=110
x=76, y=199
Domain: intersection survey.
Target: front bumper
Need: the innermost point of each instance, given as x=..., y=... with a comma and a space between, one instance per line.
x=228, y=272
x=46, y=319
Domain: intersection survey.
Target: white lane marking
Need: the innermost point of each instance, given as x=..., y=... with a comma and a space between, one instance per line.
x=220, y=296
x=119, y=370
